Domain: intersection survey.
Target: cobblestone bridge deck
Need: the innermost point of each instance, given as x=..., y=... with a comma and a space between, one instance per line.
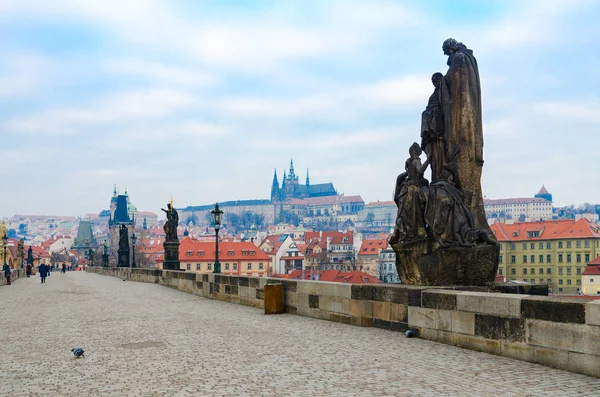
x=149, y=340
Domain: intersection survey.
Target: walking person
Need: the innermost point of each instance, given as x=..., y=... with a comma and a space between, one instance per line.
x=43, y=272
x=7, y=271
x=64, y=268
x=28, y=270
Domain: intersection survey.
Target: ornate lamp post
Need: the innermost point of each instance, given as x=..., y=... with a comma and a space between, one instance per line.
x=133, y=239
x=21, y=247
x=217, y=215
x=4, y=243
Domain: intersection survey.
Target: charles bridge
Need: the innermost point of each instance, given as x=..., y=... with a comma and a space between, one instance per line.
x=207, y=335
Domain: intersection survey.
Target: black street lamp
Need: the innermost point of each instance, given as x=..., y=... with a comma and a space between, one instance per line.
x=133, y=239
x=217, y=215
x=4, y=243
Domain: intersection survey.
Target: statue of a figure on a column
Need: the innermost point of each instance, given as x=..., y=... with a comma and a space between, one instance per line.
x=172, y=222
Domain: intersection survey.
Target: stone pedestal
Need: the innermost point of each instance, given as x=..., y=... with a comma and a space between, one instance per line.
x=424, y=262
x=171, y=255
x=105, y=260
x=123, y=258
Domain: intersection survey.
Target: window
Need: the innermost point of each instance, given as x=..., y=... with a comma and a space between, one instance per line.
x=513, y=259
x=569, y=271
x=235, y=266
x=532, y=246
x=560, y=244
x=578, y=282
x=578, y=244
x=587, y=258
x=578, y=270
x=197, y=266
x=560, y=289
x=524, y=280
x=524, y=246
x=532, y=271
x=512, y=246
x=189, y=253
x=586, y=244
x=560, y=282
x=541, y=246
x=500, y=270
x=210, y=266
x=249, y=266
x=500, y=259
x=548, y=246
x=560, y=258
x=568, y=258
x=532, y=258
x=513, y=271
x=541, y=281
x=568, y=244
x=541, y=258
x=569, y=282
x=542, y=270
x=560, y=270
x=524, y=258
x=549, y=270
x=549, y=281
x=227, y=266
x=524, y=270
x=591, y=280
x=260, y=266
x=200, y=253
x=548, y=258
x=578, y=258
x=188, y=266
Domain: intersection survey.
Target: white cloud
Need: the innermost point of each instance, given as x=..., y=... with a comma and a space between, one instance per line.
x=159, y=72
x=587, y=110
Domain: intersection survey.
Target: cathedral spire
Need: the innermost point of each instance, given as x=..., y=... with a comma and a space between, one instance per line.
x=307, y=178
x=115, y=191
x=292, y=175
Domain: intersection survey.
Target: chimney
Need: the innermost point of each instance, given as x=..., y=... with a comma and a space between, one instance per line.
x=320, y=234
x=329, y=244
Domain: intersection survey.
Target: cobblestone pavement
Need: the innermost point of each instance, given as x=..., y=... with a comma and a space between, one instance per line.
x=149, y=340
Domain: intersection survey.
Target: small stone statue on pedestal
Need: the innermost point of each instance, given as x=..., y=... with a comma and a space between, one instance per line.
x=171, y=244
x=123, y=247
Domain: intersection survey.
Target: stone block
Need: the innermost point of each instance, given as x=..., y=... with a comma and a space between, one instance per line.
x=517, y=350
x=362, y=321
x=421, y=317
x=390, y=293
x=334, y=304
x=313, y=301
x=361, y=308
x=362, y=292
x=291, y=298
x=437, y=335
x=443, y=320
x=291, y=309
x=584, y=364
x=340, y=318
x=579, y=338
x=592, y=313
x=254, y=282
x=398, y=312
x=561, y=310
x=288, y=285
x=439, y=299
x=551, y=357
x=243, y=281
x=478, y=343
x=382, y=310
x=307, y=287
x=496, y=327
x=260, y=294
x=490, y=303
x=334, y=289
x=302, y=299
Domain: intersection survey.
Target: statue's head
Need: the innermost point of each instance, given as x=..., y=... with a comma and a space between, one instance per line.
x=436, y=79
x=415, y=150
x=450, y=46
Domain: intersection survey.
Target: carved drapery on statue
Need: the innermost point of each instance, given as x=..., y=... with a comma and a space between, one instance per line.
x=171, y=223
x=441, y=235
x=171, y=244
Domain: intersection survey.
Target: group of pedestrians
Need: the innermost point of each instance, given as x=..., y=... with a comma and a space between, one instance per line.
x=43, y=269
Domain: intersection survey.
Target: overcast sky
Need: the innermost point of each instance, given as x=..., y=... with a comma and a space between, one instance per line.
x=201, y=100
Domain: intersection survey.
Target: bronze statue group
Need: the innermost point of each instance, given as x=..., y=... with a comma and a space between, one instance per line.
x=450, y=208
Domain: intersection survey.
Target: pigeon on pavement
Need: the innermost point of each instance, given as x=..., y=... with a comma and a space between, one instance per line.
x=78, y=352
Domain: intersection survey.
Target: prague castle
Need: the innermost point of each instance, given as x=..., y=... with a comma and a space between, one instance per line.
x=291, y=189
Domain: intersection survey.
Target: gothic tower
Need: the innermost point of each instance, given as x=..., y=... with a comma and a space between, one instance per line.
x=275, y=192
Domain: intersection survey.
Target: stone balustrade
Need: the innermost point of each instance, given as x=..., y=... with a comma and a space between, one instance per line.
x=556, y=332
x=16, y=274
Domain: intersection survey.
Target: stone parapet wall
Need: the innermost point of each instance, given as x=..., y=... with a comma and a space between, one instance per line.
x=16, y=274
x=561, y=333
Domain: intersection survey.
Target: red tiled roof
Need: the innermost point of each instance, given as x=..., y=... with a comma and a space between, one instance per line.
x=233, y=251
x=595, y=261
x=336, y=237
x=352, y=199
x=592, y=270
x=547, y=230
x=543, y=190
x=380, y=204
x=372, y=247
x=336, y=276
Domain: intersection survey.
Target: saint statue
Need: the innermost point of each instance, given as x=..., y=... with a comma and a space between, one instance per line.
x=409, y=195
x=463, y=131
x=123, y=238
x=171, y=224
x=432, y=129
